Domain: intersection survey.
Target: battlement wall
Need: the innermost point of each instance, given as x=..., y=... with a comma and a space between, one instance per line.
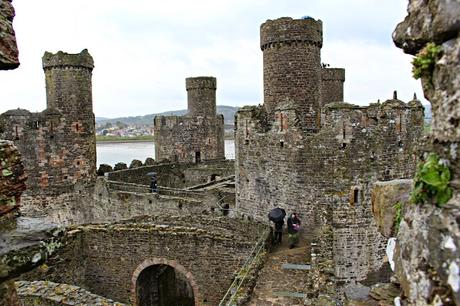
x=64, y=60
x=286, y=30
x=405, y=120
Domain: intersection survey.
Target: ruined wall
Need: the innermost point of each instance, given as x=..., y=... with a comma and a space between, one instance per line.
x=427, y=254
x=8, y=48
x=111, y=201
x=64, y=145
x=175, y=175
x=197, y=136
x=12, y=182
x=205, y=247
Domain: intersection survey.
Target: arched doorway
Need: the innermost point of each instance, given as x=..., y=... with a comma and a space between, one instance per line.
x=163, y=283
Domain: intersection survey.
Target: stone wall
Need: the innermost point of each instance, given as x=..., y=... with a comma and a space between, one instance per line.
x=197, y=136
x=176, y=175
x=427, y=254
x=110, y=201
x=209, y=251
x=64, y=150
x=40, y=293
x=8, y=47
x=12, y=182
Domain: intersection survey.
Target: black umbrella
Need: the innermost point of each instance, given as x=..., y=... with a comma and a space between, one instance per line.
x=151, y=174
x=276, y=214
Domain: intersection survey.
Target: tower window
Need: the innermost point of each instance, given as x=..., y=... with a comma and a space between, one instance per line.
x=354, y=196
x=77, y=127
x=197, y=156
x=16, y=132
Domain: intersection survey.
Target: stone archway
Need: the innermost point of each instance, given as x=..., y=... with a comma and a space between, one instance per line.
x=162, y=280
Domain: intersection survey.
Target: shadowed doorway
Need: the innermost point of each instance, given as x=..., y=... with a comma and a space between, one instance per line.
x=162, y=285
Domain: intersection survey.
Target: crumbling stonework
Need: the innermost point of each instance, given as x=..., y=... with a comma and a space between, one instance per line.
x=319, y=158
x=12, y=182
x=427, y=253
x=386, y=198
x=197, y=136
x=8, y=48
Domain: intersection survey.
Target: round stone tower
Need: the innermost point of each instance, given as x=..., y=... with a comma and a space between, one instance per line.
x=201, y=96
x=332, y=85
x=292, y=66
x=69, y=90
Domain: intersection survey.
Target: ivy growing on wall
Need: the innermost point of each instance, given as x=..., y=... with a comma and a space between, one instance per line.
x=432, y=182
x=423, y=64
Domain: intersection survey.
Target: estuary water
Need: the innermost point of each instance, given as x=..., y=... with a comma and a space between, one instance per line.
x=114, y=152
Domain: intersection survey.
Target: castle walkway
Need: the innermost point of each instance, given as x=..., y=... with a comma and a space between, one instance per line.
x=283, y=278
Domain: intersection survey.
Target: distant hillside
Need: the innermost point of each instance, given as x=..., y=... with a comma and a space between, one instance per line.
x=227, y=111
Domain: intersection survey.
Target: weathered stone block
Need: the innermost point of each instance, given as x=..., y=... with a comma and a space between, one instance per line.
x=385, y=195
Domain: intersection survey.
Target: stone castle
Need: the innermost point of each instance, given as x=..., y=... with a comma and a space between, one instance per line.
x=304, y=149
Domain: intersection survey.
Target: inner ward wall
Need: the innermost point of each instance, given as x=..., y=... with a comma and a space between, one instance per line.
x=111, y=201
x=210, y=249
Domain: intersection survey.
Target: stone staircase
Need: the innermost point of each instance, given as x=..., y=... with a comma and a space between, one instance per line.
x=283, y=278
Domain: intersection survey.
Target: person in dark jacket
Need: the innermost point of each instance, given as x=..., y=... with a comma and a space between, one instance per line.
x=279, y=231
x=293, y=223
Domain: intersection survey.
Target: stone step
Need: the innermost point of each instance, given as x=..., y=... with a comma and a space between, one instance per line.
x=289, y=294
x=296, y=266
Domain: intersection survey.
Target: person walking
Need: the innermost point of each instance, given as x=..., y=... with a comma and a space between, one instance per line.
x=293, y=223
x=276, y=215
x=279, y=230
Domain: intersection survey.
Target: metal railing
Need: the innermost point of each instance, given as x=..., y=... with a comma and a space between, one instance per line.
x=230, y=296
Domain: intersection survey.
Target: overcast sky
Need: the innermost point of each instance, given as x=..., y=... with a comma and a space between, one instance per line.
x=144, y=49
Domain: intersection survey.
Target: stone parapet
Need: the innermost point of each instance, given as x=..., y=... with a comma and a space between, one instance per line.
x=288, y=30
x=62, y=60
